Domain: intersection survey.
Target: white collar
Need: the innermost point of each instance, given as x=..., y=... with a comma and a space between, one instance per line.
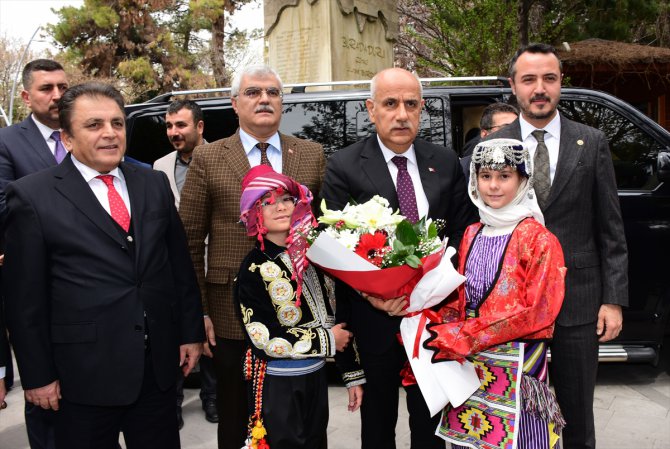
x=249, y=142
x=553, y=128
x=88, y=173
x=410, y=154
x=44, y=129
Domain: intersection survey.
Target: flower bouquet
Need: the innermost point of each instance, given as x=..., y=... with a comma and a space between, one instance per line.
x=377, y=251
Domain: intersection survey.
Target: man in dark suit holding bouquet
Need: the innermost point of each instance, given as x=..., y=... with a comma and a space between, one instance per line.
x=421, y=179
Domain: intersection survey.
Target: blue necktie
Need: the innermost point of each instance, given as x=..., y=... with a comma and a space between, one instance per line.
x=60, y=152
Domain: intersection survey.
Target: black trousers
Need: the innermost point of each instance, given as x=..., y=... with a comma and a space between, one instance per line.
x=573, y=370
x=231, y=393
x=379, y=412
x=40, y=427
x=295, y=410
x=148, y=423
x=207, y=381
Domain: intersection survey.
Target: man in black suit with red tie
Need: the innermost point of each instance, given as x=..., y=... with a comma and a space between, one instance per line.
x=101, y=297
x=393, y=163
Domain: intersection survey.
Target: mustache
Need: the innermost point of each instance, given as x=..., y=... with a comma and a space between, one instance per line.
x=176, y=138
x=540, y=97
x=264, y=108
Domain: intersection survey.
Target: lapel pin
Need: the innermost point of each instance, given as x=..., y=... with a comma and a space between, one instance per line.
x=580, y=142
x=431, y=169
x=290, y=151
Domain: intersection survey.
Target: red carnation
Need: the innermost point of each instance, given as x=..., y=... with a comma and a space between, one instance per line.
x=373, y=247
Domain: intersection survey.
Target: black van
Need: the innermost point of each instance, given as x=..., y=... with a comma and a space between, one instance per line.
x=337, y=117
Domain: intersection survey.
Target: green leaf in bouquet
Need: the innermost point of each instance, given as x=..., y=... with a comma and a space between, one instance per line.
x=398, y=247
x=432, y=230
x=413, y=261
x=406, y=234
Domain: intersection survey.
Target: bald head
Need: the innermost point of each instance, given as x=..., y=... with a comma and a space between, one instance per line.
x=395, y=71
x=395, y=107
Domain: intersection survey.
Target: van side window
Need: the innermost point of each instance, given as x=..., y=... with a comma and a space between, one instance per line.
x=431, y=126
x=319, y=121
x=634, y=152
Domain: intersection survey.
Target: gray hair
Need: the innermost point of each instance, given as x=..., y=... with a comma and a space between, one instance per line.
x=373, y=82
x=253, y=70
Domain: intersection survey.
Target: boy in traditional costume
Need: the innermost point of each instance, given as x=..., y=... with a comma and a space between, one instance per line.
x=504, y=316
x=289, y=319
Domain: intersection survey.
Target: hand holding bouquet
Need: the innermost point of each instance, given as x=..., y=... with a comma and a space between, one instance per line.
x=377, y=251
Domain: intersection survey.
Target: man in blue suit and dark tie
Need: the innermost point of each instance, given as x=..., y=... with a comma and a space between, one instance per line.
x=25, y=148
x=34, y=144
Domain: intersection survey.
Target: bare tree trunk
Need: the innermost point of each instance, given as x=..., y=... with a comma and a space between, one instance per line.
x=218, y=62
x=523, y=13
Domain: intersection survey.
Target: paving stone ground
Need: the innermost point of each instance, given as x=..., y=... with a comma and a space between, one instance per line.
x=632, y=410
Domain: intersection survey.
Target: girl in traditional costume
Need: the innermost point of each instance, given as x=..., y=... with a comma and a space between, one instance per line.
x=287, y=313
x=504, y=315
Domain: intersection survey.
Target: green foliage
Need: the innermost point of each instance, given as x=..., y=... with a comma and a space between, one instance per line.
x=153, y=46
x=407, y=248
x=464, y=37
x=477, y=37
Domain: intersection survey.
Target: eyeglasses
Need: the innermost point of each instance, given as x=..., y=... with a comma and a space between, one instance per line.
x=286, y=201
x=256, y=92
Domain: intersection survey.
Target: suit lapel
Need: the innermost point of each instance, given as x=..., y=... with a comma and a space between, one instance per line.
x=376, y=169
x=428, y=173
x=136, y=188
x=568, y=155
x=36, y=142
x=290, y=157
x=234, y=154
x=73, y=187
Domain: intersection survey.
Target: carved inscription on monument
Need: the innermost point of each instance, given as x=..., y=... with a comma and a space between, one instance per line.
x=298, y=55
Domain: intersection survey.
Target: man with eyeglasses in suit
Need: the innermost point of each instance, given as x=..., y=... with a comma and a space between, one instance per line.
x=210, y=205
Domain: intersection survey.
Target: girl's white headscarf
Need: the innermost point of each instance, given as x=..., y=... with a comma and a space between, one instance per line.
x=496, y=154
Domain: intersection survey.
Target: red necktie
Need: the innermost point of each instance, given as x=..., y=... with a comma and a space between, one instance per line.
x=117, y=207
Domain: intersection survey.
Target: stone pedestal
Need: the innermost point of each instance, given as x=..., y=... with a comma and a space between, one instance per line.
x=329, y=40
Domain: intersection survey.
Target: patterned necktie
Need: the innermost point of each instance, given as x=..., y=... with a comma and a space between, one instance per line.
x=542, y=183
x=117, y=207
x=405, y=189
x=60, y=152
x=263, y=146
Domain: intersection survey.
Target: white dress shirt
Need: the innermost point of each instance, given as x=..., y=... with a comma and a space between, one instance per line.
x=254, y=154
x=46, y=133
x=412, y=169
x=552, y=139
x=99, y=188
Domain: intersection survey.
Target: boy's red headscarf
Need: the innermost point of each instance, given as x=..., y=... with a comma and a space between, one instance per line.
x=263, y=179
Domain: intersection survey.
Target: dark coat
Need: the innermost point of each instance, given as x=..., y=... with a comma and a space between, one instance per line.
x=77, y=289
x=583, y=211
x=359, y=172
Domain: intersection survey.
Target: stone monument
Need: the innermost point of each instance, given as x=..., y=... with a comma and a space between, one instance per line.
x=329, y=40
